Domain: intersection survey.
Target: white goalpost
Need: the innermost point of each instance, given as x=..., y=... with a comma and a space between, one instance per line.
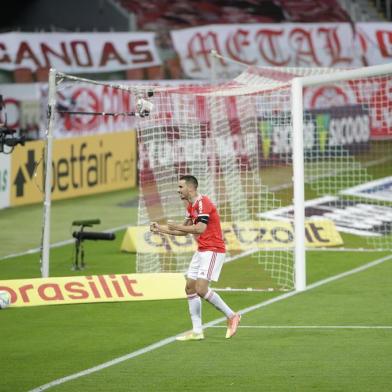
x=294, y=158
x=45, y=245
x=136, y=105
x=298, y=84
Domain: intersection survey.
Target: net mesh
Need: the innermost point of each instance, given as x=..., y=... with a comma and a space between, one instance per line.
x=212, y=134
x=347, y=154
x=236, y=138
x=349, y=164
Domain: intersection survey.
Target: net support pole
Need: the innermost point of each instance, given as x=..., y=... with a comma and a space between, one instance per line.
x=45, y=247
x=299, y=184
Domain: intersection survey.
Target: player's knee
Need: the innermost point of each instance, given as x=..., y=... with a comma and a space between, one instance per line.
x=190, y=289
x=201, y=292
x=201, y=289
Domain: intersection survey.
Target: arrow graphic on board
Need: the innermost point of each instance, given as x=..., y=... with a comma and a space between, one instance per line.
x=21, y=177
x=30, y=165
x=19, y=182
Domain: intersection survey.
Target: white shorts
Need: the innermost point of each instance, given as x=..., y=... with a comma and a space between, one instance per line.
x=206, y=265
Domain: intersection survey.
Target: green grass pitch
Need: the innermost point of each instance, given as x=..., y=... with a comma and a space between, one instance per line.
x=42, y=344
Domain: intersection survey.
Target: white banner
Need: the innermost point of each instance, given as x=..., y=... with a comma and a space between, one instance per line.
x=376, y=42
x=288, y=44
x=78, y=52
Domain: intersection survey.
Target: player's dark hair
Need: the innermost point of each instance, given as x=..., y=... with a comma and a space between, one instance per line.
x=190, y=180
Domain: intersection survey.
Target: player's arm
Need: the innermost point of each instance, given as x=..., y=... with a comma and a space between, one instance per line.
x=157, y=228
x=197, y=229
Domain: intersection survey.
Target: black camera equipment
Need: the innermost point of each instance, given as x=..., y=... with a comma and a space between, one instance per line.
x=81, y=235
x=8, y=136
x=92, y=235
x=87, y=222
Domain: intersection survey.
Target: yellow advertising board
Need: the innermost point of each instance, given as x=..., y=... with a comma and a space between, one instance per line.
x=97, y=288
x=80, y=165
x=239, y=236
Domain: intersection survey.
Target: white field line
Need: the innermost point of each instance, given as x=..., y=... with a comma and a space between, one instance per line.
x=171, y=339
x=310, y=326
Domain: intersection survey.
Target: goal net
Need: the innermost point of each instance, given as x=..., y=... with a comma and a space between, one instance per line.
x=288, y=173
x=211, y=133
x=237, y=139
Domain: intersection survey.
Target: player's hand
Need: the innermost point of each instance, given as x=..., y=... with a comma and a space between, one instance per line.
x=154, y=227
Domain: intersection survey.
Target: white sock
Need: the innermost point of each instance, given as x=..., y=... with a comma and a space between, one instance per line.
x=194, y=303
x=213, y=298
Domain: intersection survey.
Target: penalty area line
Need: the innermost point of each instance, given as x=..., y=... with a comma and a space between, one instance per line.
x=213, y=323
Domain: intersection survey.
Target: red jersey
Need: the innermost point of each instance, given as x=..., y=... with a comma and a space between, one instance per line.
x=203, y=210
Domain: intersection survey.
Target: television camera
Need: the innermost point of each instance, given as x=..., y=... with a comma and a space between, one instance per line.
x=81, y=235
x=8, y=136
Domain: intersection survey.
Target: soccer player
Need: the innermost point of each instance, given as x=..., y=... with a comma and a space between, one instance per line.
x=202, y=220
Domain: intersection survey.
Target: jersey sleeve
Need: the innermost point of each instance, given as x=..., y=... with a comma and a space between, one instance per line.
x=204, y=208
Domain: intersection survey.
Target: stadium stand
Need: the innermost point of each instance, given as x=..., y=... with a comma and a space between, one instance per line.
x=194, y=13
x=163, y=16
x=366, y=11
x=314, y=11
x=166, y=14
